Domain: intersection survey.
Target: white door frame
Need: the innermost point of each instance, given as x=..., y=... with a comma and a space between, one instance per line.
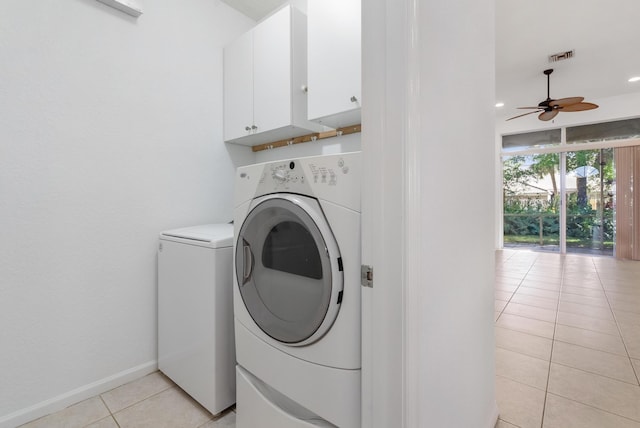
x=430, y=298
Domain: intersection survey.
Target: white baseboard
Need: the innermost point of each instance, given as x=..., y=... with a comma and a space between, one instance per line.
x=494, y=416
x=84, y=392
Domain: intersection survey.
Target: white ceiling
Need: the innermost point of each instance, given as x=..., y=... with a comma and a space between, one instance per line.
x=604, y=34
x=255, y=9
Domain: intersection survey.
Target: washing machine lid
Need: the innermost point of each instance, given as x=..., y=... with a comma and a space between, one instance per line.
x=288, y=268
x=206, y=235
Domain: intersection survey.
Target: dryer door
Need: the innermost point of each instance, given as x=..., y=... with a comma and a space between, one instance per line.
x=289, y=269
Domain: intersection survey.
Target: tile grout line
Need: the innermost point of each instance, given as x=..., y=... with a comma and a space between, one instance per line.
x=560, y=340
x=525, y=332
x=514, y=292
x=176, y=387
x=553, y=339
x=110, y=412
x=566, y=398
x=594, y=407
x=589, y=347
x=594, y=374
x=615, y=319
x=223, y=414
x=509, y=301
x=598, y=318
x=567, y=278
x=139, y=401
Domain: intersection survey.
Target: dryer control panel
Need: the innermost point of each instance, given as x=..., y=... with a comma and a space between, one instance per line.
x=334, y=178
x=286, y=172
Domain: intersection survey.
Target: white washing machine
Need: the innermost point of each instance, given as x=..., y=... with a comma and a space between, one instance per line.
x=195, y=313
x=297, y=293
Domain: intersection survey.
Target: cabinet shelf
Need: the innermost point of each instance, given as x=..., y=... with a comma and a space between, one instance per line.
x=352, y=129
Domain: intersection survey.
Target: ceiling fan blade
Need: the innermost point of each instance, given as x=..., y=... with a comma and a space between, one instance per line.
x=562, y=102
x=548, y=115
x=520, y=115
x=580, y=107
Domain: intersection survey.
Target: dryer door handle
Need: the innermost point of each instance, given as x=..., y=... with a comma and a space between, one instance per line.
x=247, y=265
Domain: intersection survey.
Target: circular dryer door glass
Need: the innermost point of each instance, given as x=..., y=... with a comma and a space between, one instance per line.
x=286, y=272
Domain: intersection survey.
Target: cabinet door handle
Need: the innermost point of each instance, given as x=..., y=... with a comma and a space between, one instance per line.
x=354, y=99
x=247, y=128
x=254, y=127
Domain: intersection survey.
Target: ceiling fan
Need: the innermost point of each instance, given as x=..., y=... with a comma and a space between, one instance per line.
x=550, y=108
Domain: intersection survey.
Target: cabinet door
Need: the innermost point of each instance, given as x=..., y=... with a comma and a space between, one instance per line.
x=334, y=50
x=238, y=87
x=272, y=72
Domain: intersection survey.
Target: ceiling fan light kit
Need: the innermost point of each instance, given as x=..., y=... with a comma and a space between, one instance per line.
x=550, y=108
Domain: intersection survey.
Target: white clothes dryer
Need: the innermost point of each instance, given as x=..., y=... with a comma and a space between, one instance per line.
x=297, y=292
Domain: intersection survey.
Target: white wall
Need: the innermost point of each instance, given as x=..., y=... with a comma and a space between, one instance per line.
x=110, y=132
x=428, y=213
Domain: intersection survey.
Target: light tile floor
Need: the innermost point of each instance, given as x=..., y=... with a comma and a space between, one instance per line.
x=567, y=354
x=150, y=402
x=567, y=341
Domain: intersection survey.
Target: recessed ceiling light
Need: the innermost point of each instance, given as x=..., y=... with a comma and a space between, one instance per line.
x=500, y=104
x=635, y=79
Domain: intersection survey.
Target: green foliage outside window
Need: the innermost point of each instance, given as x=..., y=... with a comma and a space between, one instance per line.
x=526, y=213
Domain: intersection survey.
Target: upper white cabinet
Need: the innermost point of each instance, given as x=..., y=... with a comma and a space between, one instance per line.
x=265, y=79
x=334, y=52
x=238, y=87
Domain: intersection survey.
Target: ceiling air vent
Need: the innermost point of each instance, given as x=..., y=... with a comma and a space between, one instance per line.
x=561, y=56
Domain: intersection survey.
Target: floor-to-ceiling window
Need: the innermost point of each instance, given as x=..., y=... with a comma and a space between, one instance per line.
x=590, y=201
x=531, y=201
x=561, y=190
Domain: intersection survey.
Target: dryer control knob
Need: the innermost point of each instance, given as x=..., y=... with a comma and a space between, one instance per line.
x=280, y=175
